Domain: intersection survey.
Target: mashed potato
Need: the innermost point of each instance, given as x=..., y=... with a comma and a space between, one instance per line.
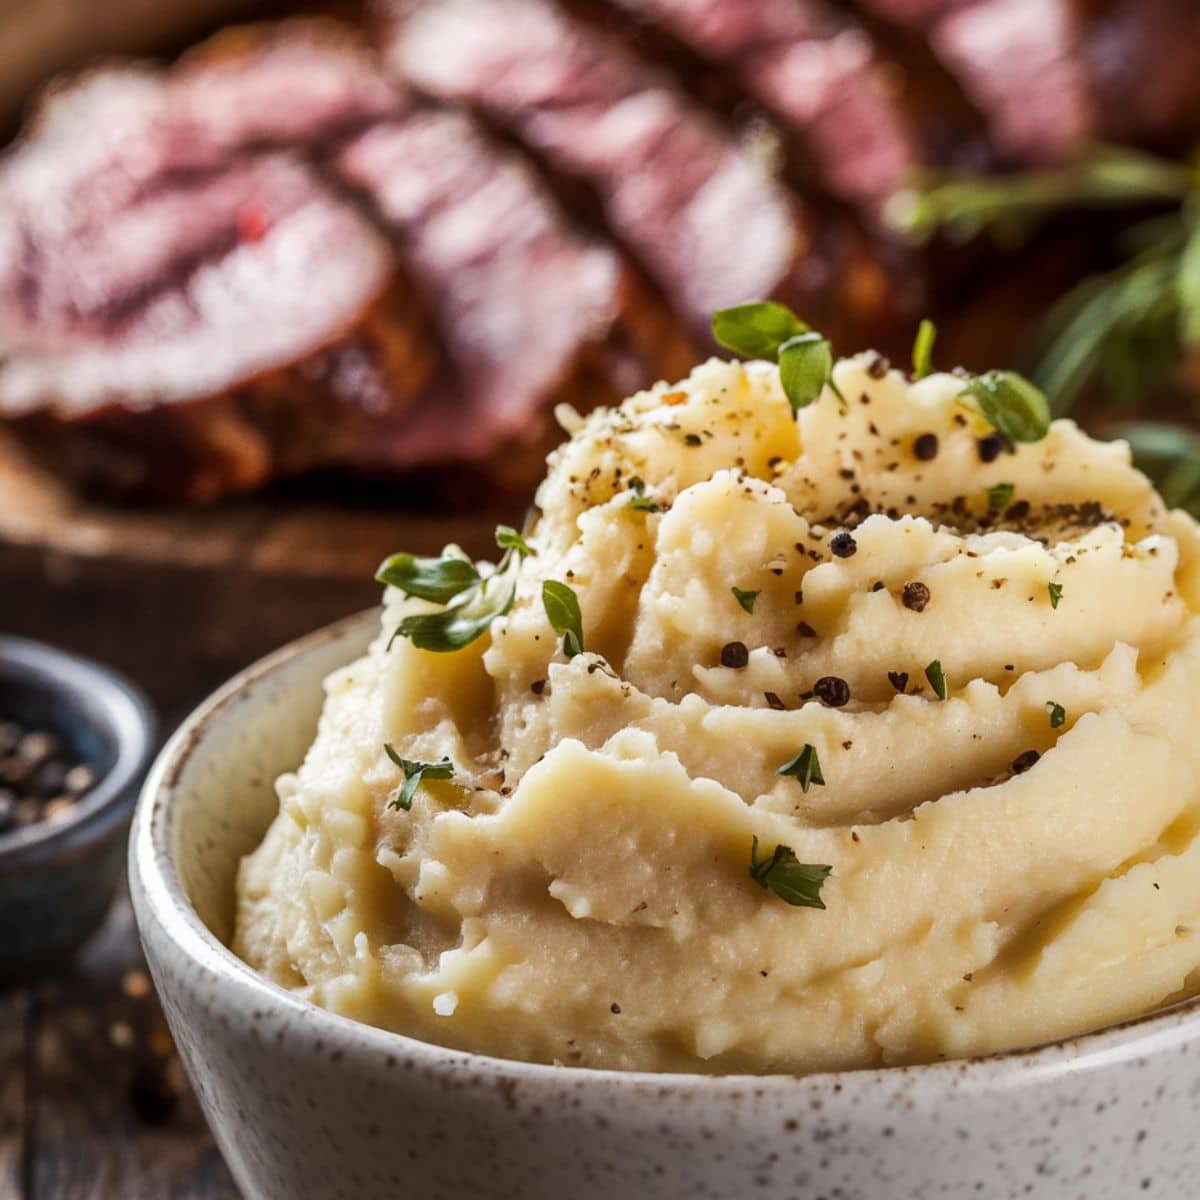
x=1013, y=863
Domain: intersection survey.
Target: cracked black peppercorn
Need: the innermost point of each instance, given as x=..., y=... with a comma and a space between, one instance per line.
x=926, y=447
x=734, y=654
x=915, y=596
x=898, y=680
x=832, y=690
x=842, y=545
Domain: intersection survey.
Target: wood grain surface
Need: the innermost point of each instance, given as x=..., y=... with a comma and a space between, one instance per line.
x=93, y=1101
x=181, y=598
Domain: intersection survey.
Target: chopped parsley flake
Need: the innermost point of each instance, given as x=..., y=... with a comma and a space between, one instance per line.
x=937, y=679
x=414, y=773
x=806, y=767
x=792, y=881
x=1056, y=593
x=999, y=496
x=1058, y=714
x=745, y=598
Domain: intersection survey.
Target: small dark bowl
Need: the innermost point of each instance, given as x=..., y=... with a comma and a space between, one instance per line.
x=57, y=878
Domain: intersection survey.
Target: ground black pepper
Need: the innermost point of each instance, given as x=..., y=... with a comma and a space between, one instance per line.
x=774, y=701
x=734, y=654
x=915, y=596
x=804, y=629
x=898, y=680
x=989, y=448
x=832, y=690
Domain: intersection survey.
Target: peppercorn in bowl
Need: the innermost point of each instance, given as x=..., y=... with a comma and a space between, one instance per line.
x=74, y=740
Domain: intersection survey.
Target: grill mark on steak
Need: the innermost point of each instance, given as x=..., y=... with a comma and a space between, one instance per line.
x=707, y=220
x=527, y=308
x=810, y=68
x=1050, y=74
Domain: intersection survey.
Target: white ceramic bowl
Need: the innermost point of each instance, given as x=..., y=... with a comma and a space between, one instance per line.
x=311, y=1106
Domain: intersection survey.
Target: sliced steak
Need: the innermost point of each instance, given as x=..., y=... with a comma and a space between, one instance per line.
x=303, y=82
x=704, y=215
x=530, y=312
x=816, y=71
x=1052, y=74
x=176, y=327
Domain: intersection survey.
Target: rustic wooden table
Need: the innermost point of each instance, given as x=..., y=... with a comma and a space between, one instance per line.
x=93, y=1102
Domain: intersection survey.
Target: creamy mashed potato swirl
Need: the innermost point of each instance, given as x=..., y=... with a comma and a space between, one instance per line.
x=1012, y=864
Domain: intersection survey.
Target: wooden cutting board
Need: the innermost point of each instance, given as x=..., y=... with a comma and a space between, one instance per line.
x=180, y=598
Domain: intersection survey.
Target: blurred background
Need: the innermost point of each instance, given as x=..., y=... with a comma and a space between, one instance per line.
x=284, y=288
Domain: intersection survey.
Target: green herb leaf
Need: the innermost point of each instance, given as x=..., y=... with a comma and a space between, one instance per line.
x=937, y=679
x=508, y=538
x=922, y=355
x=757, y=329
x=1010, y=404
x=436, y=579
x=792, y=881
x=462, y=623
x=641, y=502
x=805, y=767
x=805, y=367
x=1189, y=288
x=745, y=598
x=1058, y=714
x=1056, y=593
x=414, y=773
x=473, y=601
x=562, y=610
x=999, y=496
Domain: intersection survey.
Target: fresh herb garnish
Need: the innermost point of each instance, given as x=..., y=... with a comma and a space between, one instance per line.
x=472, y=601
x=563, y=612
x=436, y=579
x=937, y=679
x=998, y=497
x=765, y=329
x=757, y=329
x=805, y=367
x=805, y=767
x=1010, y=404
x=1127, y=328
x=1058, y=714
x=745, y=598
x=1056, y=593
x=792, y=881
x=414, y=773
x=508, y=538
x=640, y=501
x=922, y=355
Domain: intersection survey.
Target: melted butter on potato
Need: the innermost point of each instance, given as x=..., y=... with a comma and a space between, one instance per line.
x=579, y=891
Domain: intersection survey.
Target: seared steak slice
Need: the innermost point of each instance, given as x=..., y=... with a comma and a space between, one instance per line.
x=530, y=312
x=1051, y=74
x=816, y=71
x=705, y=216
x=172, y=326
x=304, y=82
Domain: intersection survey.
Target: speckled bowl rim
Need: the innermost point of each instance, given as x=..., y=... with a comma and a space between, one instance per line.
x=131, y=723
x=162, y=894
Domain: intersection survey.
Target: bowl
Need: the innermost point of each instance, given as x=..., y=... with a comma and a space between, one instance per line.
x=307, y=1105
x=57, y=878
